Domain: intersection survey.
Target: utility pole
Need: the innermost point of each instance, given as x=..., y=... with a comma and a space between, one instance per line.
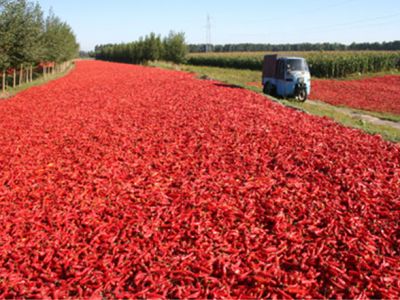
x=208, y=35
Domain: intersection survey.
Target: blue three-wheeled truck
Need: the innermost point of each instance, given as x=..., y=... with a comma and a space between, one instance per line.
x=286, y=77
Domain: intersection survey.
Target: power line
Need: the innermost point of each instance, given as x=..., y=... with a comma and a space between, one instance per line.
x=300, y=12
x=341, y=26
x=208, y=34
x=366, y=20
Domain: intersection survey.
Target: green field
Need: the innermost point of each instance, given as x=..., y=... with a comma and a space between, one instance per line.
x=330, y=64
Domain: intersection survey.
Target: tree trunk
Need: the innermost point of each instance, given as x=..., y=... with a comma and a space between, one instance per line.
x=3, y=85
x=14, y=78
x=21, y=74
x=31, y=73
x=44, y=72
x=27, y=75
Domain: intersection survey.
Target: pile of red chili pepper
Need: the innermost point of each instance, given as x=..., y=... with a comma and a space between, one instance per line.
x=132, y=182
x=381, y=94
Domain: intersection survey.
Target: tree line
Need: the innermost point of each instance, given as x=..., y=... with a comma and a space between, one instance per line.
x=28, y=39
x=150, y=48
x=249, y=47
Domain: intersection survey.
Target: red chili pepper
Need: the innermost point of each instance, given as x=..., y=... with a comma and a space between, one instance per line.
x=123, y=181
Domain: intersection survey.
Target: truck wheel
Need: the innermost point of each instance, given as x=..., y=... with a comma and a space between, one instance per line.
x=302, y=95
x=267, y=89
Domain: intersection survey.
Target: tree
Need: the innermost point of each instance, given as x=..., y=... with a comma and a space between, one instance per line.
x=175, y=48
x=152, y=47
x=26, y=40
x=5, y=44
x=23, y=23
x=34, y=46
x=395, y=45
x=59, y=40
x=149, y=48
x=5, y=37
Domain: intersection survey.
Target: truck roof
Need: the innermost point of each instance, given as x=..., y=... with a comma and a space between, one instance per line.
x=290, y=57
x=271, y=61
x=276, y=56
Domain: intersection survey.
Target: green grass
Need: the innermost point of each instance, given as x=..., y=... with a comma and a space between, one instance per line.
x=232, y=76
x=243, y=77
x=10, y=92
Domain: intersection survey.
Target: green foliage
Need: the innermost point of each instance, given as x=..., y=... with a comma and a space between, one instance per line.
x=26, y=39
x=250, y=47
x=59, y=40
x=149, y=48
x=322, y=64
x=5, y=37
x=152, y=48
x=175, y=49
x=86, y=54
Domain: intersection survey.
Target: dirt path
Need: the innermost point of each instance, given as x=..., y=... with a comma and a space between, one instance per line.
x=359, y=115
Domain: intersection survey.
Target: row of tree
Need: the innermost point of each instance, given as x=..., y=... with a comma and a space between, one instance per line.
x=248, y=47
x=150, y=48
x=28, y=39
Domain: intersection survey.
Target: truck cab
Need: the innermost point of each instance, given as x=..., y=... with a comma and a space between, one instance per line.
x=286, y=77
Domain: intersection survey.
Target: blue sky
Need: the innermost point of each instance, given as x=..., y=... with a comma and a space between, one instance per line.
x=256, y=21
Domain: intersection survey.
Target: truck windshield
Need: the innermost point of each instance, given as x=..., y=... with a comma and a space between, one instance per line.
x=297, y=65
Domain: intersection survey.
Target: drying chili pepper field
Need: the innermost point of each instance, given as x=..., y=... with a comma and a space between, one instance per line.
x=381, y=94
x=127, y=181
